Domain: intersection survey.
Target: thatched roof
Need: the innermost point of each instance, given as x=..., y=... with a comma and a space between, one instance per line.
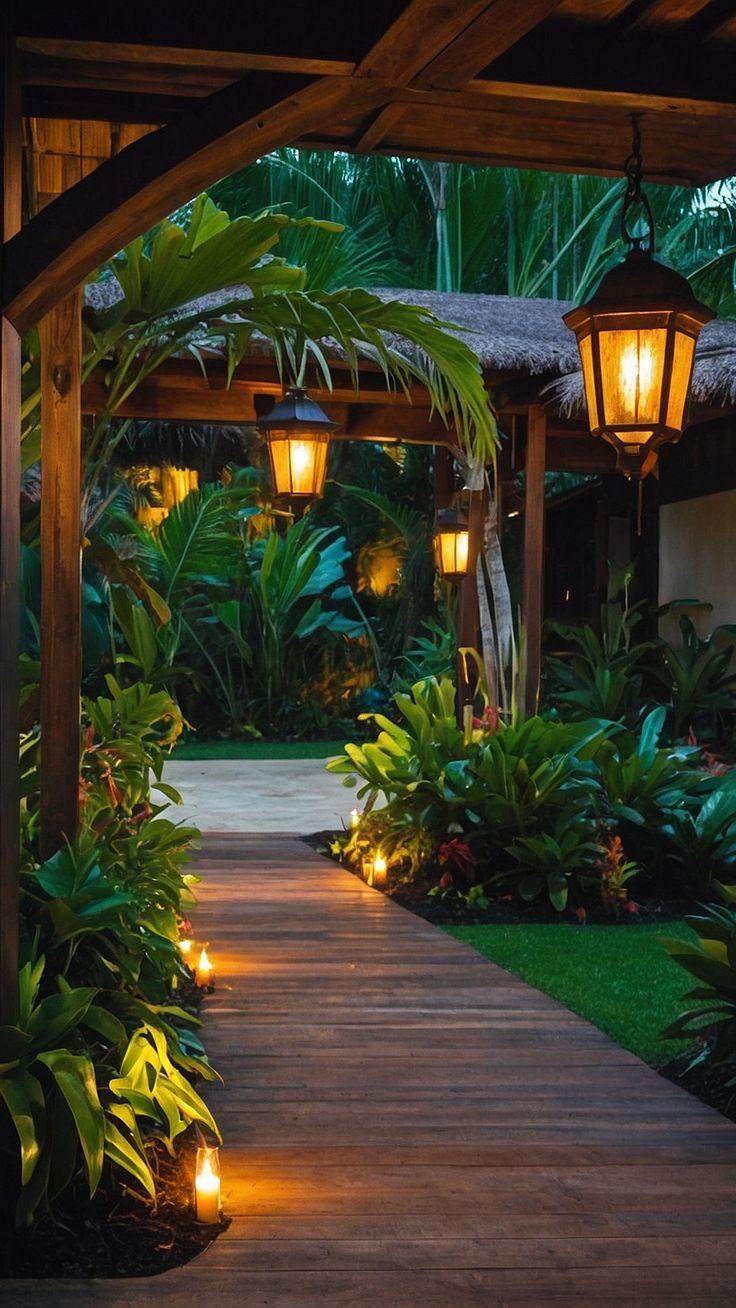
x=512, y=334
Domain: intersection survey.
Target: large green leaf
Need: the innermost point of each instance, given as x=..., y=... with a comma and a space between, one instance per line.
x=24, y=1100
x=75, y=1076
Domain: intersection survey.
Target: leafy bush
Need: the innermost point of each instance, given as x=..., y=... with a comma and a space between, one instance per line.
x=712, y=961
x=540, y=804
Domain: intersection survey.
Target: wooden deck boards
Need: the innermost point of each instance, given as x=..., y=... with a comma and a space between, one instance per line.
x=407, y=1124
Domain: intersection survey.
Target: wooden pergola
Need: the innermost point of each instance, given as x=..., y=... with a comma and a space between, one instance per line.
x=182, y=97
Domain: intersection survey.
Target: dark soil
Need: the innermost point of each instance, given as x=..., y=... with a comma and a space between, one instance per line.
x=705, y=1082
x=449, y=909
x=118, y=1233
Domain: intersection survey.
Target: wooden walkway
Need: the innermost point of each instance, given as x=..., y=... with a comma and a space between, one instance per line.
x=407, y=1124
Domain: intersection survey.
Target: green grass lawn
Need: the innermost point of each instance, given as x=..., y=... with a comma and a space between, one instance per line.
x=257, y=749
x=619, y=978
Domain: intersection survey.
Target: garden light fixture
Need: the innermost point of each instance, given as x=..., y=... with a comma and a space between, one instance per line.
x=452, y=544
x=637, y=337
x=207, y=1185
x=298, y=434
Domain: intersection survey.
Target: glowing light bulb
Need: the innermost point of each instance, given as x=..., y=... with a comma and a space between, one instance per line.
x=354, y=818
x=299, y=458
x=380, y=871
x=185, y=947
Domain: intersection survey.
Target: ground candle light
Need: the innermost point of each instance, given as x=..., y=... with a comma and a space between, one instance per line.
x=185, y=947
x=354, y=818
x=203, y=974
x=380, y=871
x=207, y=1185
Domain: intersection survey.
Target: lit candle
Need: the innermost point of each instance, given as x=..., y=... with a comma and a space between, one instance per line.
x=207, y=1186
x=368, y=864
x=380, y=873
x=203, y=974
x=185, y=947
x=354, y=818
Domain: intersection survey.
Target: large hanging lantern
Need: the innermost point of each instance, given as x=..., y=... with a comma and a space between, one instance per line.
x=452, y=544
x=637, y=337
x=298, y=434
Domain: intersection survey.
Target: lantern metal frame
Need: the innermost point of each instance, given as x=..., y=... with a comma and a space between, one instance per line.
x=452, y=522
x=293, y=421
x=638, y=296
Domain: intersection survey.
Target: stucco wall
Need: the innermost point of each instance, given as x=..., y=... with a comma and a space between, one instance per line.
x=697, y=555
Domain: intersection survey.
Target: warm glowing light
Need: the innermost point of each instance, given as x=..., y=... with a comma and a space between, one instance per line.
x=299, y=458
x=367, y=868
x=207, y=1186
x=452, y=545
x=380, y=871
x=354, y=818
x=298, y=434
x=203, y=974
x=185, y=947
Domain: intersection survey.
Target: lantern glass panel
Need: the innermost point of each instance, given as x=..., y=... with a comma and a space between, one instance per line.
x=632, y=364
x=299, y=463
x=682, y=367
x=586, y=356
x=453, y=549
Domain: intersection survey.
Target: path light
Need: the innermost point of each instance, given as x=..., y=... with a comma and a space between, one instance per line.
x=298, y=435
x=207, y=1185
x=380, y=871
x=637, y=337
x=452, y=544
x=354, y=819
x=185, y=947
x=366, y=866
x=204, y=973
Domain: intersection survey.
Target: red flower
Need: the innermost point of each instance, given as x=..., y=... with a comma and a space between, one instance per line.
x=445, y=880
x=458, y=855
x=631, y=907
x=488, y=722
x=507, y=899
x=581, y=914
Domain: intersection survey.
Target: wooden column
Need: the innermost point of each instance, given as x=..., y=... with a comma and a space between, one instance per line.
x=61, y=557
x=467, y=612
x=10, y=398
x=533, y=580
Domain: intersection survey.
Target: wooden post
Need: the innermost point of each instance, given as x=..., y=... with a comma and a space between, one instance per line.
x=10, y=399
x=61, y=559
x=533, y=580
x=468, y=612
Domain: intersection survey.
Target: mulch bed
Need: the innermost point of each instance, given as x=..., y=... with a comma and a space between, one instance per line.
x=117, y=1233
x=707, y=1083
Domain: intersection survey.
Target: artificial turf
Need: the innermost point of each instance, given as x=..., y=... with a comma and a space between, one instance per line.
x=257, y=749
x=619, y=978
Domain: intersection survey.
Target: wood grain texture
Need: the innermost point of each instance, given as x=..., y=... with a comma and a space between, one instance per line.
x=10, y=402
x=533, y=573
x=406, y=1123
x=500, y=26
x=61, y=564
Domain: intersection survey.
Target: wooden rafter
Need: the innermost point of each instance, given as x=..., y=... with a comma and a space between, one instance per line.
x=131, y=192
x=495, y=30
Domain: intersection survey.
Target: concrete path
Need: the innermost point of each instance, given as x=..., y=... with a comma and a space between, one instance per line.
x=406, y=1124
x=260, y=795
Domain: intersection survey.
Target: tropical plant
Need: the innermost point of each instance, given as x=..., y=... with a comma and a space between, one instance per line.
x=699, y=679
x=704, y=839
x=711, y=959
x=552, y=860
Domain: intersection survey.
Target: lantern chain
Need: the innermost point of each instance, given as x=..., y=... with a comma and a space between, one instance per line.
x=635, y=197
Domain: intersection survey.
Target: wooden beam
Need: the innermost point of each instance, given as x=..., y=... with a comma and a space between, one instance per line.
x=177, y=58
x=141, y=185
x=61, y=563
x=533, y=574
x=494, y=31
x=421, y=32
x=10, y=401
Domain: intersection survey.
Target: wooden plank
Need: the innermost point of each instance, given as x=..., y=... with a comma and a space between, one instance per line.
x=533, y=575
x=139, y=186
x=10, y=401
x=423, y=29
x=178, y=58
x=61, y=563
x=500, y=26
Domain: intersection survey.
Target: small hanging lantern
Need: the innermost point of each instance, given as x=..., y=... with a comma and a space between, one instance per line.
x=298, y=435
x=637, y=337
x=452, y=544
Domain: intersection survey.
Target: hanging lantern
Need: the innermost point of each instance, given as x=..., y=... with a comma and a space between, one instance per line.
x=637, y=337
x=298, y=436
x=452, y=544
